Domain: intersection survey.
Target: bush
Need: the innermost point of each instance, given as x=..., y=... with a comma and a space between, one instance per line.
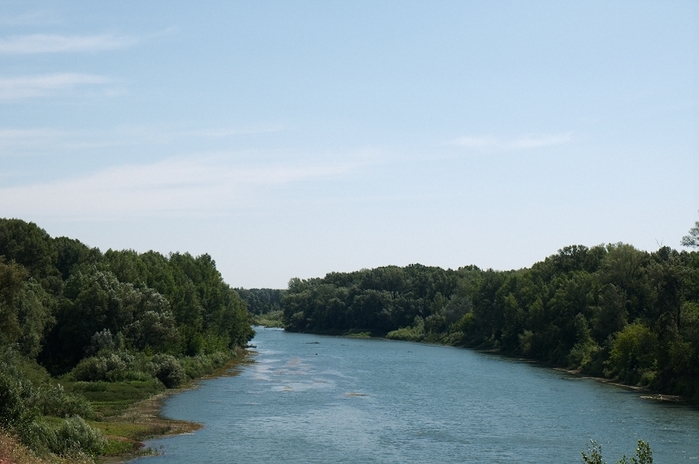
x=17, y=397
x=632, y=358
x=67, y=437
x=412, y=334
x=52, y=400
x=109, y=366
x=201, y=365
x=168, y=370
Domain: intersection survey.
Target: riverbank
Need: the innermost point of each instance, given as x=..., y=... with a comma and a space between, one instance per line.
x=645, y=392
x=143, y=420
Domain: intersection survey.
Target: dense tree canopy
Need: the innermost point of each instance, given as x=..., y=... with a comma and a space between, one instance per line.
x=134, y=320
x=609, y=310
x=56, y=294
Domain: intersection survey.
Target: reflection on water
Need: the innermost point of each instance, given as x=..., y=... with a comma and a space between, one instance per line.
x=312, y=399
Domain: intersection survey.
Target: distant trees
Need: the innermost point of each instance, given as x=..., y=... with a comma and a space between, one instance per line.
x=611, y=310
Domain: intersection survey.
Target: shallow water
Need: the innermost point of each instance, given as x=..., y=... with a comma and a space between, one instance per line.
x=315, y=399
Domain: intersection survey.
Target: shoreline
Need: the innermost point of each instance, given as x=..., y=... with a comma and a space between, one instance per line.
x=147, y=415
x=650, y=394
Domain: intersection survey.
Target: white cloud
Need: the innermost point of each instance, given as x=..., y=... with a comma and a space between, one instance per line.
x=37, y=86
x=182, y=187
x=53, y=43
x=231, y=132
x=476, y=142
x=485, y=142
x=50, y=140
x=26, y=134
x=542, y=141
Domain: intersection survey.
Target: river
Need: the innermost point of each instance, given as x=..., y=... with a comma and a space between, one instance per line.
x=317, y=399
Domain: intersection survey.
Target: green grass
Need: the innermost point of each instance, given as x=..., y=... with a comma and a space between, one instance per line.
x=111, y=398
x=133, y=431
x=116, y=447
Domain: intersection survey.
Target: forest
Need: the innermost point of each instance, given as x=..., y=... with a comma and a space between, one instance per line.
x=84, y=333
x=611, y=311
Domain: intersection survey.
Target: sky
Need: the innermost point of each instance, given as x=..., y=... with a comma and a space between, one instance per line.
x=293, y=139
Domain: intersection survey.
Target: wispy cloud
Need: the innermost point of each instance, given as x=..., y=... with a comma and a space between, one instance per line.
x=37, y=86
x=476, y=142
x=181, y=187
x=26, y=134
x=49, y=140
x=231, y=132
x=53, y=43
x=525, y=142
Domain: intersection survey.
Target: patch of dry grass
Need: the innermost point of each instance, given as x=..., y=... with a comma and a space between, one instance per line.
x=13, y=452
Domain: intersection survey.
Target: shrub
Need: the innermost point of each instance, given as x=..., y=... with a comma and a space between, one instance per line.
x=71, y=436
x=201, y=365
x=109, y=366
x=168, y=370
x=17, y=396
x=52, y=400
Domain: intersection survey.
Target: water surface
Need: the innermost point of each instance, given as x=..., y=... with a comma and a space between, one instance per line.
x=315, y=399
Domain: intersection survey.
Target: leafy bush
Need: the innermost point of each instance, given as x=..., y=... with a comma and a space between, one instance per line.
x=109, y=366
x=201, y=365
x=168, y=370
x=632, y=358
x=644, y=455
x=52, y=400
x=17, y=396
x=413, y=334
x=66, y=437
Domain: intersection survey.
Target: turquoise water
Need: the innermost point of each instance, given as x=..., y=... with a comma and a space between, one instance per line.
x=314, y=399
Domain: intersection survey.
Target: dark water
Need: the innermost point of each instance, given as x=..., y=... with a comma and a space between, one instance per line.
x=313, y=399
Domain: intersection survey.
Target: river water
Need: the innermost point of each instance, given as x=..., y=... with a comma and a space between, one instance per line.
x=316, y=399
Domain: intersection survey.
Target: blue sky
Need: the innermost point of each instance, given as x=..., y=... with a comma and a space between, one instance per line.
x=292, y=139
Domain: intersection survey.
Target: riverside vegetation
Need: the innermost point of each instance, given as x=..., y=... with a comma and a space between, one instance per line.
x=610, y=311
x=86, y=335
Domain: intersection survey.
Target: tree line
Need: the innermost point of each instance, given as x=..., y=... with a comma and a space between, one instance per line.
x=76, y=314
x=609, y=310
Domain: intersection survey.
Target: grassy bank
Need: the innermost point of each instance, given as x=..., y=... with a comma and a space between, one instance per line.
x=68, y=420
x=130, y=415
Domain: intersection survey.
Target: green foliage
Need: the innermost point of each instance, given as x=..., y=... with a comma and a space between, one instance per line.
x=262, y=300
x=168, y=370
x=633, y=353
x=71, y=436
x=692, y=238
x=17, y=398
x=416, y=333
x=595, y=456
x=109, y=367
x=205, y=364
x=608, y=310
x=270, y=319
x=30, y=246
x=121, y=326
x=52, y=400
x=644, y=455
x=110, y=398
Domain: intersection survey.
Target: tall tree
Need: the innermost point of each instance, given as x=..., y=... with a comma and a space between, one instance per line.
x=691, y=240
